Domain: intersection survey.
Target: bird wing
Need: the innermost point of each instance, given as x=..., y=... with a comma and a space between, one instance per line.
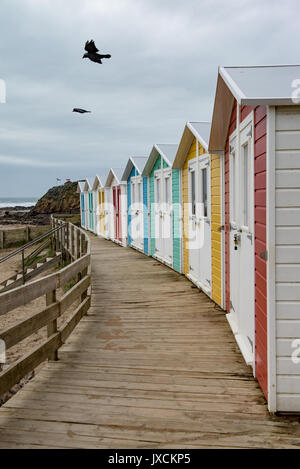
x=90, y=47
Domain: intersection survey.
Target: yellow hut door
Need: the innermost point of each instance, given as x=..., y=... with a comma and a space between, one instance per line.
x=101, y=213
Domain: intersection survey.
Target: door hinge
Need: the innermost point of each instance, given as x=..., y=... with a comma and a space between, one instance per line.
x=231, y=306
x=221, y=228
x=249, y=134
x=250, y=236
x=251, y=342
x=264, y=255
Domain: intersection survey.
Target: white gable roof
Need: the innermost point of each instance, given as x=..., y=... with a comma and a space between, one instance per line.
x=198, y=130
x=80, y=186
x=137, y=162
x=269, y=84
x=166, y=150
x=114, y=173
x=100, y=180
x=88, y=185
x=252, y=86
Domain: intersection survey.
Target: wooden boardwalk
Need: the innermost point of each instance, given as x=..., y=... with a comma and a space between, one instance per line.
x=153, y=365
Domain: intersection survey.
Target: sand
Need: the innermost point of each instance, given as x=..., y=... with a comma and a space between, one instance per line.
x=7, y=269
x=13, y=226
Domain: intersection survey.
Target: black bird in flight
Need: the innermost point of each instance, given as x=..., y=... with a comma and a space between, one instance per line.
x=91, y=54
x=81, y=111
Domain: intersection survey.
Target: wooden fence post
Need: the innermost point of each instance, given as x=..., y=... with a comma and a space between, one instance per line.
x=85, y=271
x=77, y=244
x=52, y=326
x=1, y=239
x=27, y=234
x=73, y=241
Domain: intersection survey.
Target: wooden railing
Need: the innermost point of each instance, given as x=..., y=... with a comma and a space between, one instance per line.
x=75, y=244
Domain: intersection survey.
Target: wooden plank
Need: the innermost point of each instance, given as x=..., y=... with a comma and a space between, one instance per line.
x=18, y=370
x=20, y=296
x=144, y=371
x=75, y=318
x=14, y=334
x=74, y=293
x=73, y=269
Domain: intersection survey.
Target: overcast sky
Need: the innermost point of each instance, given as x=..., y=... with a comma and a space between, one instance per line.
x=163, y=70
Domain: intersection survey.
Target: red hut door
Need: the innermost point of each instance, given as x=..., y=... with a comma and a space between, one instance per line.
x=117, y=210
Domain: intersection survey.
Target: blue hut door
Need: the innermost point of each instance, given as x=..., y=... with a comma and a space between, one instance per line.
x=82, y=210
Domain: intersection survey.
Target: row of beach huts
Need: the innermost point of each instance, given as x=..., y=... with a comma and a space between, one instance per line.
x=222, y=207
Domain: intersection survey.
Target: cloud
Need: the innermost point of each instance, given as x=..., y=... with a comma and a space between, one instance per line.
x=162, y=73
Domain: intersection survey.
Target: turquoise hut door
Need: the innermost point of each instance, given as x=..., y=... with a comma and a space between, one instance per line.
x=91, y=211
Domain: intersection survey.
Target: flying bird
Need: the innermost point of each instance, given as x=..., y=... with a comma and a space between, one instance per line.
x=91, y=53
x=81, y=111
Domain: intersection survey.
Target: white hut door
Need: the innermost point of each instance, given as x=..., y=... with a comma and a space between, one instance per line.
x=167, y=216
x=199, y=223
x=158, y=214
x=233, y=218
x=137, y=225
x=246, y=309
x=204, y=224
x=140, y=215
x=242, y=237
x=194, y=232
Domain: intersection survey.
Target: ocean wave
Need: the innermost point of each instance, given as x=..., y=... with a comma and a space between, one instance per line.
x=16, y=204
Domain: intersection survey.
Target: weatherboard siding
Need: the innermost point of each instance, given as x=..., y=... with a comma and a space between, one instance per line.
x=216, y=242
x=260, y=232
x=287, y=255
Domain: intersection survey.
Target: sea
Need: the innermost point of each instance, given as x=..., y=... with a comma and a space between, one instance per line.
x=20, y=201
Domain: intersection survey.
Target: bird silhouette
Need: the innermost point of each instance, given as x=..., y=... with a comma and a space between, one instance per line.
x=92, y=53
x=81, y=111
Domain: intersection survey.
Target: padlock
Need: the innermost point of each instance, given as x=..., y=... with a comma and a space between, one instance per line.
x=235, y=241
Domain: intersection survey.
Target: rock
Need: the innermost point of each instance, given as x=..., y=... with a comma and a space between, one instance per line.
x=58, y=199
